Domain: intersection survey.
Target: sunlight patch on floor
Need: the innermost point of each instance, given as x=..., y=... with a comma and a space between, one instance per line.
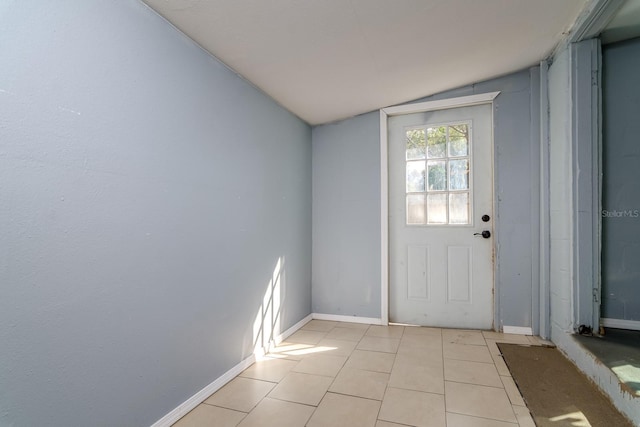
x=577, y=419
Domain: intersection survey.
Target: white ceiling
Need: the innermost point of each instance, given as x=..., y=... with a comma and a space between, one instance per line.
x=326, y=60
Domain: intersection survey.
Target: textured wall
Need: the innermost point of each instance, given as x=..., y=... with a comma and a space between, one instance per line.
x=147, y=194
x=621, y=178
x=346, y=207
x=560, y=183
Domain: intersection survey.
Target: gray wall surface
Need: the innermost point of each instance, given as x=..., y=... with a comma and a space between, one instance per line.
x=346, y=217
x=621, y=181
x=560, y=180
x=147, y=193
x=346, y=206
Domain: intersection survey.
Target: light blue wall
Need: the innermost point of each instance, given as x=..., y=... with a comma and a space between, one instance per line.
x=621, y=181
x=346, y=206
x=560, y=196
x=346, y=217
x=146, y=195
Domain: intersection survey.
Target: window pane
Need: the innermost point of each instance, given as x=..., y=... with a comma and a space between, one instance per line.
x=458, y=140
x=415, y=209
x=437, y=177
x=415, y=144
x=437, y=208
x=436, y=142
x=459, y=174
x=459, y=208
x=415, y=177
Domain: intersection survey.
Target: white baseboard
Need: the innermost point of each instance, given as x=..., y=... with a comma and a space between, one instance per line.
x=352, y=319
x=621, y=324
x=184, y=408
x=518, y=330
x=286, y=334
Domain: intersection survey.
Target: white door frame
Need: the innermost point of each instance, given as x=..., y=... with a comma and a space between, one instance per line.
x=385, y=113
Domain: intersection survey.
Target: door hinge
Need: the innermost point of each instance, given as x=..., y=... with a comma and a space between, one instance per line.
x=596, y=294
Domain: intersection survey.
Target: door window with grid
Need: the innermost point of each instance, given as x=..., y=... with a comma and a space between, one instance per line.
x=438, y=183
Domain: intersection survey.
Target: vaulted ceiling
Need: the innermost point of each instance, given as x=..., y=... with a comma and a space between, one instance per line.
x=326, y=60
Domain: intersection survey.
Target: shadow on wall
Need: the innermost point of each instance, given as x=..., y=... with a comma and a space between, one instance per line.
x=267, y=326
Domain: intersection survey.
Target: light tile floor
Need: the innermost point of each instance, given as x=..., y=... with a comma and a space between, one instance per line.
x=333, y=374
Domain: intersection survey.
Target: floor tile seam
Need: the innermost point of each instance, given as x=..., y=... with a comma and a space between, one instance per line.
x=407, y=350
x=355, y=368
x=442, y=355
x=248, y=378
x=528, y=344
x=413, y=366
x=293, y=401
x=493, y=356
x=245, y=376
x=334, y=380
x=481, y=385
x=516, y=424
x=264, y=397
x=467, y=360
x=519, y=406
x=377, y=351
x=513, y=412
x=230, y=409
x=353, y=395
x=315, y=408
x=476, y=383
x=393, y=422
x=363, y=369
x=517, y=391
x=359, y=349
x=319, y=375
x=413, y=389
x=382, y=338
x=386, y=387
x=464, y=343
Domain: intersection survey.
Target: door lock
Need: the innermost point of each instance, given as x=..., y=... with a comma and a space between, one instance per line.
x=486, y=234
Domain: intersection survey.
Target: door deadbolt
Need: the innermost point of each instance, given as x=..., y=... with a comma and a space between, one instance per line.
x=485, y=218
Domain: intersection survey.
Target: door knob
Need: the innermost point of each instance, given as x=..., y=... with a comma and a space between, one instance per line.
x=486, y=234
x=485, y=218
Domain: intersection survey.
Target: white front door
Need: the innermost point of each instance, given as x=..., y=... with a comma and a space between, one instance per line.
x=440, y=203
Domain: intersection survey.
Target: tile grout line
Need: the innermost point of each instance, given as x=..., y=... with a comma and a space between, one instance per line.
x=500, y=376
x=386, y=386
x=484, y=418
x=324, y=335
x=444, y=381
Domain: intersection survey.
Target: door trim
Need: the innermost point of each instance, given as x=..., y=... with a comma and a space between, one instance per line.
x=586, y=157
x=385, y=113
